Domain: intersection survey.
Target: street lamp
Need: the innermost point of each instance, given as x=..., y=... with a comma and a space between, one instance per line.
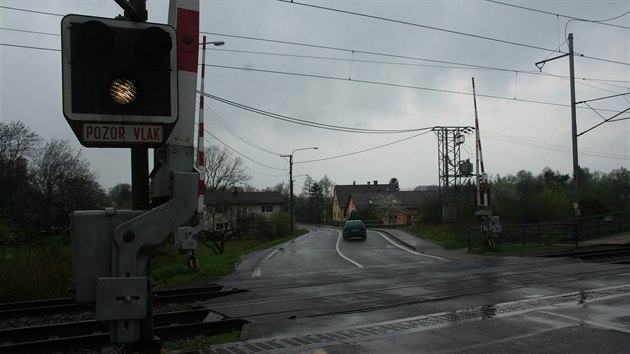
x=290, y=156
x=201, y=163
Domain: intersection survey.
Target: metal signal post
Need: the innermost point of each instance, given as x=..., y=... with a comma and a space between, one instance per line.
x=128, y=83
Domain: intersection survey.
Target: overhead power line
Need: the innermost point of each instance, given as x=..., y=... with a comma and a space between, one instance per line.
x=545, y=146
x=388, y=85
x=446, y=30
x=223, y=124
x=32, y=32
x=241, y=154
x=417, y=25
x=311, y=123
x=29, y=47
x=444, y=63
x=388, y=55
x=31, y=11
x=601, y=22
x=365, y=150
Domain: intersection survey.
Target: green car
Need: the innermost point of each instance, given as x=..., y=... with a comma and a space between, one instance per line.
x=354, y=229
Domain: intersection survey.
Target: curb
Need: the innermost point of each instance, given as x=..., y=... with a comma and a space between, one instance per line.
x=406, y=244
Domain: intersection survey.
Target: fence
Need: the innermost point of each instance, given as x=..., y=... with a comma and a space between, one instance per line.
x=547, y=233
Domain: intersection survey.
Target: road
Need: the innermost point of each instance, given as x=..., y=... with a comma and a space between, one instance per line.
x=325, y=250
x=321, y=294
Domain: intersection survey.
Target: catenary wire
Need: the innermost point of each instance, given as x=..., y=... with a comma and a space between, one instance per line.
x=355, y=80
x=376, y=17
x=448, y=64
x=445, y=30
x=415, y=25
x=555, y=14
x=390, y=85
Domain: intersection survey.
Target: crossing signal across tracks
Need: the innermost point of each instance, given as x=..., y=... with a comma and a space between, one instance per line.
x=119, y=81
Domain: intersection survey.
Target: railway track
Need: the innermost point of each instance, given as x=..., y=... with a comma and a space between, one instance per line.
x=67, y=305
x=614, y=255
x=73, y=334
x=95, y=334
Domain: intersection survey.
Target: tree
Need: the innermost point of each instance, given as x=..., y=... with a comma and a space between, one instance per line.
x=17, y=145
x=316, y=202
x=281, y=187
x=328, y=189
x=387, y=206
x=308, y=181
x=223, y=170
x=224, y=224
x=63, y=182
x=120, y=196
x=394, y=182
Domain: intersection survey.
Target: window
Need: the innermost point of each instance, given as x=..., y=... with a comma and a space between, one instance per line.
x=266, y=208
x=220, y=226
x=221, y=210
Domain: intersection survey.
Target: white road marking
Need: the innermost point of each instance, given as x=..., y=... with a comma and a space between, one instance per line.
x=582, y=321
x=408, y=250
x=342, y=255
x=257, y=272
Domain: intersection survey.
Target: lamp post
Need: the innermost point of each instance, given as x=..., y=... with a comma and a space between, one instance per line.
x=201, y=158
x=290, y=156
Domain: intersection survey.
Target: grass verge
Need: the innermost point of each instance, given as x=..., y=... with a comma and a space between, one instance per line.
x=450, y=237
x=170, y=270
x=522, y=250
x=453, y=237
x=43, y=270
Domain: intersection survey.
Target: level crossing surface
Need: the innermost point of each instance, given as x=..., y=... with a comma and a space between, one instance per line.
x=315, y=295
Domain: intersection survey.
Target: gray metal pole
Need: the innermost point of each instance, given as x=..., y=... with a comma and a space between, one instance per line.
x=291, y=193
x=136, y=10
x=140, y=178
x=576, y=166
x=140, y=191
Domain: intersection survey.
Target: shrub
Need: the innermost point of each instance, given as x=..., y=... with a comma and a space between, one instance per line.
x=280, y=221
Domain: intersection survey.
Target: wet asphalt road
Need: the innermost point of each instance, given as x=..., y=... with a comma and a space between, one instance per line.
x=321, y=294
x=325, y=250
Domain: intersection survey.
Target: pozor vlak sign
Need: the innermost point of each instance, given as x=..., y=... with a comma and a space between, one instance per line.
x=119, y=81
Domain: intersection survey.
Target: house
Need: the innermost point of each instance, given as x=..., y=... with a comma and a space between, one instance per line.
x=394, y=208
x=224, y=208
x=342, y=193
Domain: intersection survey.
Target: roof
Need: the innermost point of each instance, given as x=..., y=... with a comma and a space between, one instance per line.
x=243, y=198
x=406, y=199
x=343, y=191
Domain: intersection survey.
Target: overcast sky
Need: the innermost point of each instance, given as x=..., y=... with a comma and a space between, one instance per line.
x=329, y=73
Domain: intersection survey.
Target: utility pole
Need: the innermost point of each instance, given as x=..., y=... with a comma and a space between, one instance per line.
x=291, y=194
x=290, y=156
x=574, y=134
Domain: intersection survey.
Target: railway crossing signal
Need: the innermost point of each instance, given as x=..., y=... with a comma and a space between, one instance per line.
x=119, y=81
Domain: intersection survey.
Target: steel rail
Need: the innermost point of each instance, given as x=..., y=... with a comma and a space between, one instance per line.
x=67, y=305
x=102, y=338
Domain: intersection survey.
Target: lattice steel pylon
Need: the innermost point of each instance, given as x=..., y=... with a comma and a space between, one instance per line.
x=453, y=172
